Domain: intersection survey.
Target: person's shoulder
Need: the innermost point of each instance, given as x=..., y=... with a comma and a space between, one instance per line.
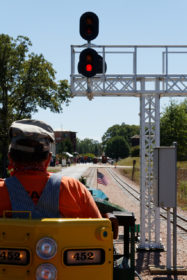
x=72, y=182
x=69, y=179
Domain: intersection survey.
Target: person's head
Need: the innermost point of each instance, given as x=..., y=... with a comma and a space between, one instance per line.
x=30, y=141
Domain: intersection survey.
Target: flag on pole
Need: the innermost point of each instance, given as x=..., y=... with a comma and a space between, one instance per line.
x=101, y=179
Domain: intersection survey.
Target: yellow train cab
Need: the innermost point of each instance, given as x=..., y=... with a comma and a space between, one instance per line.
x=51, y=249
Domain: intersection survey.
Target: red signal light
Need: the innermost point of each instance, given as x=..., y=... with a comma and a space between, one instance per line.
x=89, y=67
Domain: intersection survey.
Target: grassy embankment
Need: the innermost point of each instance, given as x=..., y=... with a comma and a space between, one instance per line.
x=54, y=169
x=181, y=177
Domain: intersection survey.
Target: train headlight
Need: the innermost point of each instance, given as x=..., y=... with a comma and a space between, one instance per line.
x=46, y=271
x=46, y=248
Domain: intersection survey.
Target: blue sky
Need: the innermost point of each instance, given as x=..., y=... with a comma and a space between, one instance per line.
x=53, y=25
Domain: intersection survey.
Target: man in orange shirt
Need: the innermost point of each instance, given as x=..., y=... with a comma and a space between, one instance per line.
x=32, y=188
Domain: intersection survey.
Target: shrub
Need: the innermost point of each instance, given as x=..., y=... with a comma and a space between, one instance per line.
x=135, y=151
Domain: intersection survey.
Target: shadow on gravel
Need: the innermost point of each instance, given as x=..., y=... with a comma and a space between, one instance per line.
x=168, y=277
x=146, y=258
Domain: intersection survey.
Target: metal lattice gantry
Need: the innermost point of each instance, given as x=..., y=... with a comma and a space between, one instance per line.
x=148, y=72
x=164, y=81
x=149, y=138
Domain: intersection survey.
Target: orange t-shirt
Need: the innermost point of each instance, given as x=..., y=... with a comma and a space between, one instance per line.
x=75, y=200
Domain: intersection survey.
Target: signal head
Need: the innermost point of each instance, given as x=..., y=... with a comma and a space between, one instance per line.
x=88, y=60
x=89, y=26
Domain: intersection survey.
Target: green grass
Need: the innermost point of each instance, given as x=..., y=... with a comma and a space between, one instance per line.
x=182, y=194
x=128, y=172
x=54, y=169
x=182, y=164
x=129, y=161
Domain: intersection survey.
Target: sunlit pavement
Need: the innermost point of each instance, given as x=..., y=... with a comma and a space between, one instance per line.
x=77, y=170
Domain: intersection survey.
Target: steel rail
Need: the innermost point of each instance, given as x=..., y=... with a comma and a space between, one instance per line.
x=130, y=190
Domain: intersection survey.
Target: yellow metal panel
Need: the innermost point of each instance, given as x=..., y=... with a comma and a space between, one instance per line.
x=69, y=234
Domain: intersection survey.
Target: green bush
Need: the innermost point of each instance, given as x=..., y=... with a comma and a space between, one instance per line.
x=135, y=151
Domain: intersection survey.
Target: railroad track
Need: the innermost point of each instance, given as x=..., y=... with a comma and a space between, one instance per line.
x=135, y=193
x=91, y=175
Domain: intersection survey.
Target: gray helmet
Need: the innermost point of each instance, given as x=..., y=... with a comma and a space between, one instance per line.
x=35, y=130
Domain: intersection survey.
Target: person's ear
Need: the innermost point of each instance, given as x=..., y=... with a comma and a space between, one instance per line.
x=48, y=160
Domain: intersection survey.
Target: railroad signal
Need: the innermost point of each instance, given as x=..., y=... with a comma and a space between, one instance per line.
x=100, y=65
x=87, y=65
x=89, y=26
x=90, y=62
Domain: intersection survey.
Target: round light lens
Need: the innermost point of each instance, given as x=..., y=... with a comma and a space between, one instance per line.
x=46, y=271
x=46, y=248
x=89, y=67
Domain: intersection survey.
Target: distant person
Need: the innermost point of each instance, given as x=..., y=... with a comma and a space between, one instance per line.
x=64, y=162
x=31, y=187
x=69, y=162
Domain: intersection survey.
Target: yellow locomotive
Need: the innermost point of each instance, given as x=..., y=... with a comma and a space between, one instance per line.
x=67, y=249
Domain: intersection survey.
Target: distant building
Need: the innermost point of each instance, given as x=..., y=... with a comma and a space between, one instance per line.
x=135, y=140
x=61, y=135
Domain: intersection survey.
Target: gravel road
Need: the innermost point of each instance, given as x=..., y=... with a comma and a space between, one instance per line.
x=144, y=259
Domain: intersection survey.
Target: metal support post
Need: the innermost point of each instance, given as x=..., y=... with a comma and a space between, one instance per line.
x=135, y=67
x=157, y=143
x=150, y=137
x=175, y=216
x=175, y=238
x=89, y=89
x=72, y=68
x=168, y=239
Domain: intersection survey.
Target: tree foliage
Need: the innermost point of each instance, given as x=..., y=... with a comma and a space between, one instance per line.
x=124, y=130
x=135, y=151
x=173, y=127
x=89, y=146
x=64, y=146
x=27, y=81
x=117, y=147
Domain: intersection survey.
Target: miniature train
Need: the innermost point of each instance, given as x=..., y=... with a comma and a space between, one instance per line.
x=67, y=249
x=64, y=249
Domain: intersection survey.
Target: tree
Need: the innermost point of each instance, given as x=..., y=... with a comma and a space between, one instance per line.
x=117, y=147
x=27, y=81
x=173, y=127
x=89, y=146
x=64, y=146
x=124, y=130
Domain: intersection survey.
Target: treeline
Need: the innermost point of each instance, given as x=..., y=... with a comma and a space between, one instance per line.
x=89, y=146
x=117, y=140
